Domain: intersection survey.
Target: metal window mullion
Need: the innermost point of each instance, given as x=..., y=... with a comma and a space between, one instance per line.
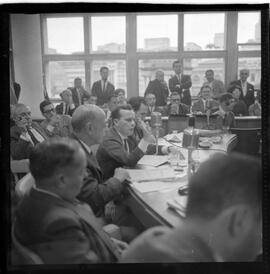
x=87, y=51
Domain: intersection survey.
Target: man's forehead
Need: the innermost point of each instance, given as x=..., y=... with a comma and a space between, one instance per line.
x=126, y=113
x=23, y=109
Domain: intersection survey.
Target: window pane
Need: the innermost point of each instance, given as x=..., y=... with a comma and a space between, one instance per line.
x=254, y=66
x=65, y=35
x=249, y=27
x=204, y=31
x=196, y=69
x=157, y=32
x=61, y=74
x=117, y=72
x=249, y=47
x=108, y=34
x=148, y=68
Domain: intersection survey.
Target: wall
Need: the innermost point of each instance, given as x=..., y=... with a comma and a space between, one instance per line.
x=26, y=42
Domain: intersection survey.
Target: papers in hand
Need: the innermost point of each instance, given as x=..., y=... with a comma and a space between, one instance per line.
x=153, y=160
x=144, y=175
x=178, y=205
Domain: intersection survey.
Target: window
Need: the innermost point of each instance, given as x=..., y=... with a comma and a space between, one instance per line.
x=64, y=36
x=196, y=68
x=254, y=66
x=204, y=31
x=148, y=68
x=61, y=74
x=249, y=30
x=108, y=34
x=117, y=72
x=157, y=32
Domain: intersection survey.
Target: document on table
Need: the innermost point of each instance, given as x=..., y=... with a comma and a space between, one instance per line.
x=153, y=160
x=155, y=174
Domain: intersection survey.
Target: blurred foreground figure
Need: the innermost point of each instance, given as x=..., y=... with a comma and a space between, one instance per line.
x=50, y=220
x=223, y=217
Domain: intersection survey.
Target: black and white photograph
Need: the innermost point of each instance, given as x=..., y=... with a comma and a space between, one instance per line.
x=136, y=134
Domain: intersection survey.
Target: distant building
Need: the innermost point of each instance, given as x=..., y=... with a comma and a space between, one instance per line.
x=111, y=47
x=157, y=44
x=190, y=46
x=257, y=34
x=219, y=40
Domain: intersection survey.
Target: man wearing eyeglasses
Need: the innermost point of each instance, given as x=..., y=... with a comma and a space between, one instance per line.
x=247, y=89
x=54, y=124
x=176, y=107
x=25, y=134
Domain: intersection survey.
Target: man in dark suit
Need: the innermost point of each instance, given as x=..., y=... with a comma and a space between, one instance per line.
x=205, y=103
x=88, y=123
x=159, y=88
x=103, y=88
x=25, y=134
x=67, y=107
x=50, y=220
x=176, y=107
x=223, y=220
x=150, y=99
x=240, y=107
x=247, y=89
x=181, y=83
x=79, y=94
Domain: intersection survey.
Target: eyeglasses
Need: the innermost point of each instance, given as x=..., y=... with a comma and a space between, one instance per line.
x=49, y=110
x=24, y=114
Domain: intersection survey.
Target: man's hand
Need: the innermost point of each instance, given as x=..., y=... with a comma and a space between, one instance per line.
x=122, y=246
x=54, y=120
x=121, y=174
x=174, y=109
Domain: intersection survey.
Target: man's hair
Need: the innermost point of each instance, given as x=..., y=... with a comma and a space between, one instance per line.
x=43, y=104
x=16, y=109
x=225, y=97
x=149, y=92
x=209, y=70
x=244, y=69
x=205, y=86
x=64, y=91
x=48, y=157
x=136, y=102
x=112, y=95
x=77, y=78
x=118, y=90
x=224, y=181
x=82, y=115
x=103, y=68
x=176, y=62
x=174, y=93
x=116, y=112
x=232, y=88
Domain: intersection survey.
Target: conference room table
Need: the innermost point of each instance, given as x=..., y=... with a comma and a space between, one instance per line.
x=151, y=208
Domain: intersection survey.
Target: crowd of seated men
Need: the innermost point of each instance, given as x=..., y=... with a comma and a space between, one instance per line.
x=77, y=190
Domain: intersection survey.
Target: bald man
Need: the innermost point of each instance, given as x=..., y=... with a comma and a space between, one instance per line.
x=247, y=89
x=158, y=87
x=67, y=107
x=25, y=134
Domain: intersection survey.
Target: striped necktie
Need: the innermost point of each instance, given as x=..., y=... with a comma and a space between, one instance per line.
x=126, y=145
x=32, y=136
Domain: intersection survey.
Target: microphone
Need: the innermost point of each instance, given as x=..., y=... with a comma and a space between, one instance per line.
x=156, y=124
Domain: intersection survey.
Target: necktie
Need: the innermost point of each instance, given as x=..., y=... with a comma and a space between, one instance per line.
x=32, y=136
x=126, y=145
x=79, y=96
x=103, y=88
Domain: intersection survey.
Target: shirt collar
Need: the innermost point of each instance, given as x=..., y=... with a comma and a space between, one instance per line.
x=88, y=149
x=47, y=192
x=121, y=136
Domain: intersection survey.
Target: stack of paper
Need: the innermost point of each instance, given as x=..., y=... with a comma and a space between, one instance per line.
x=153, y=160
x=155, y=186
x=178, y=204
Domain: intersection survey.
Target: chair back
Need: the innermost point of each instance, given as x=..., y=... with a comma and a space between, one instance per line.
x=248, y=140
x=19, y=167
x=24, y=185
x=177, y=122
x=26, y=255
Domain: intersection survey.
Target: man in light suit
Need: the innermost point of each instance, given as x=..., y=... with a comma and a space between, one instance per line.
x=159, y=88
x=181, y=83
x=247, y=89
x=79, y=94
x=50, y=220
x=205, y=102
x=25, y=134
x=150, y=99
x=103, y=88
x=223, y=217
x=67, y=107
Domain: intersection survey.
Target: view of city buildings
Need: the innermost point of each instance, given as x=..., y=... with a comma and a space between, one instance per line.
x=61, y=74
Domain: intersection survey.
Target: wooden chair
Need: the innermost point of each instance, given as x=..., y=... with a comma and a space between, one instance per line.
x=248, y=140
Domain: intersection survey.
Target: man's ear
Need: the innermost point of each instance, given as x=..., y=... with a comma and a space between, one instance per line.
x=60, y=181
x=115, y=122
x=238, y=220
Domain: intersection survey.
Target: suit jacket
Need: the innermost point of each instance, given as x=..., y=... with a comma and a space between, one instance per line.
x=156, y=109
x=111, y=153
x=161, y=92
x=84, y=95
x=61, y=232
x=218, y=88
x=249, y=98
x=95, y=190
x=62, y=129
x=60, y=109
x=254, y=110
x=19, y=148
x=198, y=106
x=182, y=110
x=102, y=97
x=164, y=245
x=228, y=120
x=184, y=90
x=240, y=108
